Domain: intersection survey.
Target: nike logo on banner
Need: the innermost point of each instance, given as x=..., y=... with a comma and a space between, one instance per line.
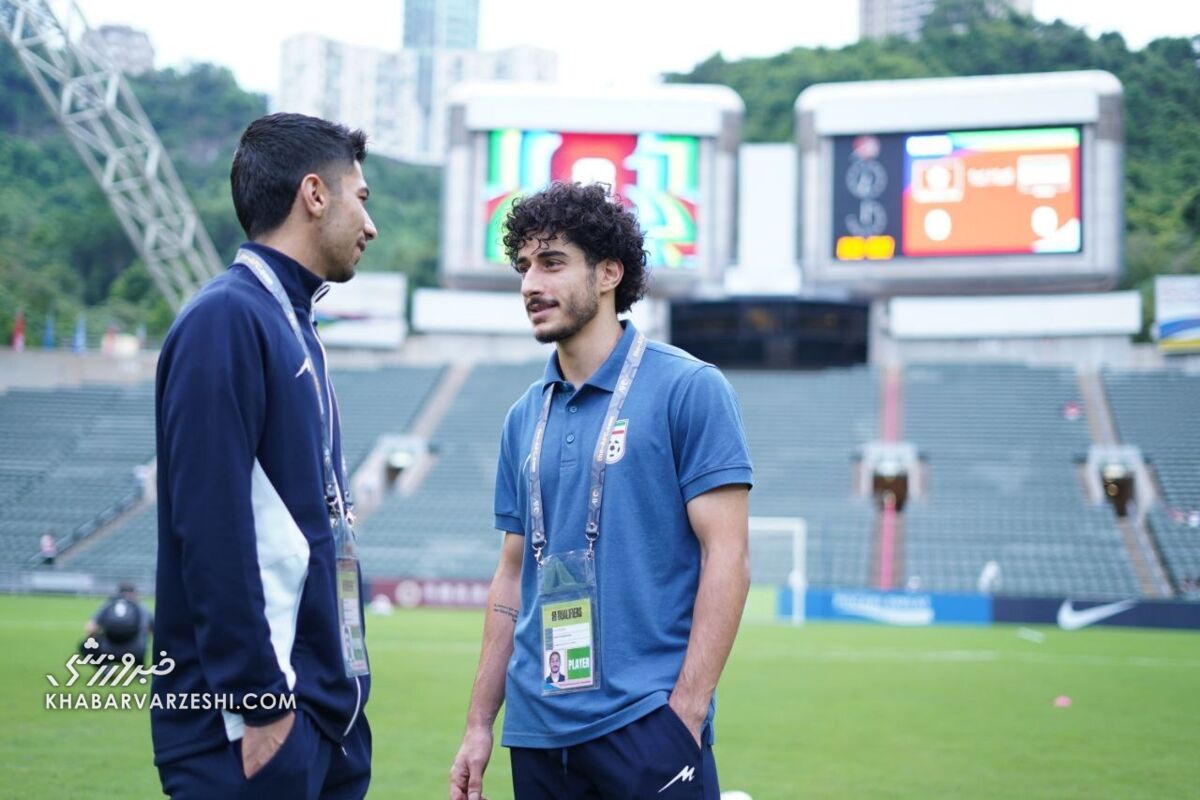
x=1071, y=620
x=684, y=775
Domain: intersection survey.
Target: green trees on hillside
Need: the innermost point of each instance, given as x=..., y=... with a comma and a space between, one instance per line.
x=1162, y=105
x=62, y=250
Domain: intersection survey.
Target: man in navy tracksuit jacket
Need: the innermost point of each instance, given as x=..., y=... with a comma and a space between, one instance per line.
x=247, y=605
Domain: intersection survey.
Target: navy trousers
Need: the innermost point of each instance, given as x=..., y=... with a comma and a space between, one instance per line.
x=307, y=766
x=653, y=757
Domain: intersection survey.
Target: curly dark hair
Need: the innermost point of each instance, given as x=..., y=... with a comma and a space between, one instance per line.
x=587, y=217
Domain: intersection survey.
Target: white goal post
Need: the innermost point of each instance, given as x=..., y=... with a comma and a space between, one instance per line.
x=778, y=560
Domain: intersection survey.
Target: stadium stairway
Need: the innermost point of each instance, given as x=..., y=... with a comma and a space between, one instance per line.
x=441, y=526
x=887, y=562
x=805, y=430
x=374, y=402
x=1156, y=411
x=72, y=460
x=1001, y=443
x=426, y=425
x=1001, y=467
x=1140, y=545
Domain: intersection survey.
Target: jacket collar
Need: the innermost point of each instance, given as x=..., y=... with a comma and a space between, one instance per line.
x=302, y=286
x=606, y=376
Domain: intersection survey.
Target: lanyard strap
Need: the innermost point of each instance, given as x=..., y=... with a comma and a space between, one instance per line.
x=267, y=278
x=599, y=459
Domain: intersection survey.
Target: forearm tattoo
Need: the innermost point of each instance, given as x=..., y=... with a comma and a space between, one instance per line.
x=507, y=611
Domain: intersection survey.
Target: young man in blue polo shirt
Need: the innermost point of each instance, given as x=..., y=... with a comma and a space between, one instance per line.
x=622, y=489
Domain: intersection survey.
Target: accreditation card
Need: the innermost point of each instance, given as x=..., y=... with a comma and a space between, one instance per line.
x=567, y=598
x=350, y=621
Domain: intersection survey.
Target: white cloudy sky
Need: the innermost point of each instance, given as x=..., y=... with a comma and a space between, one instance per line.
x=615, y=42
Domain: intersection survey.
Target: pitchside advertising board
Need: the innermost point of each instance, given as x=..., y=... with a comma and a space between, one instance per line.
x=868, y=606
x=962, y=184
x=669, y=153
x=919, y=609
x=1177, y=313
x=365, y=313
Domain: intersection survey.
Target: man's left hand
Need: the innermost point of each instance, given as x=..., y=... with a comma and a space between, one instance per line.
x=692, y=717
x=260, y=744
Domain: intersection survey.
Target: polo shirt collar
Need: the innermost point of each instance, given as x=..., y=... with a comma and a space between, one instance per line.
x=606, y=376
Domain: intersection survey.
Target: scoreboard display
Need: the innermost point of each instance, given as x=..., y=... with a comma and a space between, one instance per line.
x=668, y=153
x=969, y=185
x=957, y=193
x=658, y=175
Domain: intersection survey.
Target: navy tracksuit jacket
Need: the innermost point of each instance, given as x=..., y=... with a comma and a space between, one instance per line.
x=246, y=596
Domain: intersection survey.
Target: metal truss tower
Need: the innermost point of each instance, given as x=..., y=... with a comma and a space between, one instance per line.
x=93, y=103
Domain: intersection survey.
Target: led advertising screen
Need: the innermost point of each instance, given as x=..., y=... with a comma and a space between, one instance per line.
x=656, y=174
x=957, y=193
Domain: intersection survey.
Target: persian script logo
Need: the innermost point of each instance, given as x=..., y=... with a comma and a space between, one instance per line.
x=121, y=674
x=111, y=671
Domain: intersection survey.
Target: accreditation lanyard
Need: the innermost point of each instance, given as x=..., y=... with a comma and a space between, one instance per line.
x=267, y=278
x=354, y=652
x=599, y=461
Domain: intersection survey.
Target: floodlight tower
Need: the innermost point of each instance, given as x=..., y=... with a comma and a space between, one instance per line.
x=93, y=103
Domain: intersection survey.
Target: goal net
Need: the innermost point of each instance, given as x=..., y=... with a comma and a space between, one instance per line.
x=778, y=571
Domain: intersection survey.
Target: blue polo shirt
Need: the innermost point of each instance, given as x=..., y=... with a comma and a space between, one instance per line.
x=684, y=437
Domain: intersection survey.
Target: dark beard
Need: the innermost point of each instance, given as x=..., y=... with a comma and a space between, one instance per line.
x=578, y=315
x=340, y=274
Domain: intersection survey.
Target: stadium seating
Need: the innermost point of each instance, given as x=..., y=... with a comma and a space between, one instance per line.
x=377, y=401
x=445, y=529
x=1157, y=411
x=1003, y=485
x=1000, y=460
x=372, y=402
x=804, y=430
x=69, y=461
x=127, y=553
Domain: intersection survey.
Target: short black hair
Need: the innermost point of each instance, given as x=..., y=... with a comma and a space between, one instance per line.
x=273, y=156
x=589, y=218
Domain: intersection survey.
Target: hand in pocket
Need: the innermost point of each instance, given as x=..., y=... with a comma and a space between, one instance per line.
x=260, y=744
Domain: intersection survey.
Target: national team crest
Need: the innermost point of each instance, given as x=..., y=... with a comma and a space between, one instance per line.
x=616, y=441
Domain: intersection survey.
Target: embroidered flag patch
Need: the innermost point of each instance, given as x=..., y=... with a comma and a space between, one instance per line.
x=616, y=441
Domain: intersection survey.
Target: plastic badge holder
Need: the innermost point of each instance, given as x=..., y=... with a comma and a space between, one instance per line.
x=567, y=603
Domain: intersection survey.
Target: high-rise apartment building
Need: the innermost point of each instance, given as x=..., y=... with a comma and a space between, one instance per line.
x=878, y=19
x=441, y=24
x=357, y=86
x=129, y=49
x=398, y=98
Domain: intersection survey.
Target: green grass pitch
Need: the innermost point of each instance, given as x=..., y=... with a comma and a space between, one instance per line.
x=821, y=711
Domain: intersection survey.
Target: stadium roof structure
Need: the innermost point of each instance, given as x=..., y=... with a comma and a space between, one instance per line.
x=976, y=101
x=92, y=102
x=684, y=109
